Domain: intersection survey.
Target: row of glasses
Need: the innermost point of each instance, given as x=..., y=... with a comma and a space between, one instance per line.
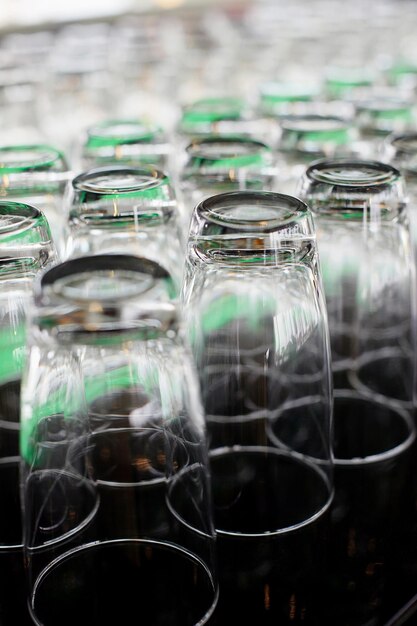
x=262, y=353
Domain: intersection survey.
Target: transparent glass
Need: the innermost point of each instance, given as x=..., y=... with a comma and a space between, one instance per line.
x=306, y=138
x=278, y=99
x=257, y=322
x=343, y=80
x=367, y=268
x=115, y=482
x=25, y=250
x=382, y=116
x=223, y=116
x=218, y=164
x=37, y=174
x=127, y=142
x=125, y=210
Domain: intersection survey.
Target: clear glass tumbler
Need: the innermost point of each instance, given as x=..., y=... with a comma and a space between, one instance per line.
x=25, y=249
x=127, y=142
x=38, y=175
x=125, y=210
x=216, y=164
x=367, y=267
x=115, y=480
x=258, y=326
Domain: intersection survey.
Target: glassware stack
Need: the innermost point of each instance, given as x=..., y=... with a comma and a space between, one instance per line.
x=275, y=193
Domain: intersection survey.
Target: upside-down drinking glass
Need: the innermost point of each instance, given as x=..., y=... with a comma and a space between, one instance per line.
x=258, y=327
x=216, y=164
x=128, y=142
x=25, y=249
x=125, y=210
x=115, y=483
x=363, y=242
x=37, y=175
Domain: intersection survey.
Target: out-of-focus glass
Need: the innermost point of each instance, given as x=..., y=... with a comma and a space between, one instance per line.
x=280, y=99
x=38, y=175
x=115, y=481
x=219, y=164
x=125, y=210
x=25, y=249
x=77, y=89
x=306, y=138
x=378, y=118
x=344, y=80
x=132, y=143
x=257, y=322
x=223, y=116
x=364, y=247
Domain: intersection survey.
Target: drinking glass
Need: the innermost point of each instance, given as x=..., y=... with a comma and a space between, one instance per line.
x=115, y=482
x=363, y=242
x=257, y=323
x=128, y=142
x=216, y=164
x=222, y=116
x=126, y=210
x=37, y=174
x=279, y=99
x=306, y=138
x=25, y=249
x=400, y=149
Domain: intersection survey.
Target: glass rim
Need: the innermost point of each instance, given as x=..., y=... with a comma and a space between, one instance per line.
x=330, y=172
x=196, y=146
x=125, y=263
x=44, y=156
x=405, y=142
x=276, y=92
x=379, y=107
x=22, y=216
x=380, y=457
x=213, y=109
x=314, y=123
x=291, y=207
x=98, y=299
x=147, y=178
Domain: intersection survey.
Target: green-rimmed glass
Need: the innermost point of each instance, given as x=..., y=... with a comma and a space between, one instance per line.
x=128, y=142
x=364, y=246
x=276, y=98
x=306, y=138
x=223, y=116
x=36, y=174
x=115, y=478
x=25, y=250
x=340, y=81
x=219, y=164
x=256, y=318
x=125, y=210
x=401, y=150
x=402, y=73
x=378, y=118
